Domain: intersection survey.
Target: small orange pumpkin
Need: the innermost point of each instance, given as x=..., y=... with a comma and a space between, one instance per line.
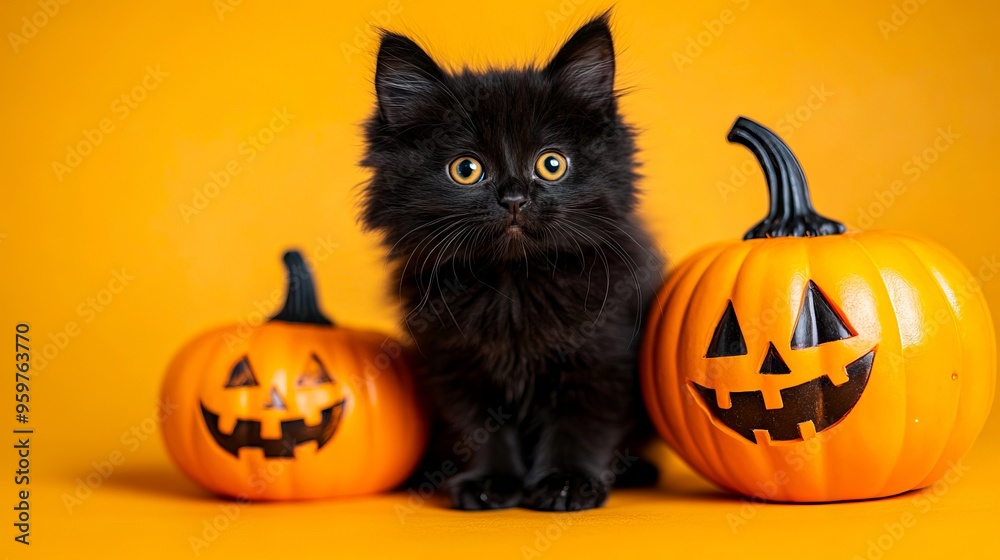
x=298, y=409
x=809, y=364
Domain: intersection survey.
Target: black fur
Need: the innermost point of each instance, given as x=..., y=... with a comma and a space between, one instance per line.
x=529, y=336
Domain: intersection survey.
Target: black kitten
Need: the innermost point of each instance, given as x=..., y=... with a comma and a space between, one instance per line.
x=507, y=201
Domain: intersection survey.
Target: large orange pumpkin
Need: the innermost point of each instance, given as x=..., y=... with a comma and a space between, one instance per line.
x=807, y=363
x=298, y=408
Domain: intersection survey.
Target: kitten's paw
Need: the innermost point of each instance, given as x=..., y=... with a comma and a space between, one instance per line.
x=566, y=491
x=485, y=491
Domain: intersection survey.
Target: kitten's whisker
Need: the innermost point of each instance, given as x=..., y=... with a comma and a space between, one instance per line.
x=579, y=249
x=583, y=264
x=413, y=252
x=434, y=275
x=612, y=223
x=473, y=245
x=392, y=250
x=455, y=228
x=600, y=253
x=441, y=230
x=458, y=246
x=445, y=241
x=480, y=231
x=631, y=266
x=546, y=233
x=393, y=256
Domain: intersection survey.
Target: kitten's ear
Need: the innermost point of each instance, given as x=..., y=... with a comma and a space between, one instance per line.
x=585, y=65
x=404, y=76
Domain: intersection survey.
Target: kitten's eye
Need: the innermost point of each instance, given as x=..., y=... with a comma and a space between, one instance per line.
x=466, y=170
x=551, y=166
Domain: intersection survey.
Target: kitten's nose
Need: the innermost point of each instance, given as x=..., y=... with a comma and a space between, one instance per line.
x=514, y=202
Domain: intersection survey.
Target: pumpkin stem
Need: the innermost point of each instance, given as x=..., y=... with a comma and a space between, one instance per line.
x=301, y=305
x=791, y=212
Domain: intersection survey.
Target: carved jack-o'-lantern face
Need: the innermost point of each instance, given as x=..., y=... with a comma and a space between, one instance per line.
x=805, y=408
x=280, y=396
x=295, y=408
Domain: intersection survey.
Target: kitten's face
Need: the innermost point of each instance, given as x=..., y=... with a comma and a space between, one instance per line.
x=505, y=163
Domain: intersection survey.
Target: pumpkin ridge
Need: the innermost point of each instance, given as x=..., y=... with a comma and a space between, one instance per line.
x=823, y=464
x=652, y=388
x=889, y=476
x=944, y=296
x=213, y=352
x=368, y=394
x=954, y=418
x=647, y=355
x=735, y=280
x=200, y=350
x=709, y=465
x=804, y=257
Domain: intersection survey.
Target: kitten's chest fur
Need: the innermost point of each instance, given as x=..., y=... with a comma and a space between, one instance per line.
x=522, y=320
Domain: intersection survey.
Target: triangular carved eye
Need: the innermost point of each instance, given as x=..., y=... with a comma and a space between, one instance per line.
x=728, y=338
x=818, y=322
x=241, y=375
x=314, y=374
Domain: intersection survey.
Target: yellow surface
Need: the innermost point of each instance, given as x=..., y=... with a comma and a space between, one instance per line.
x=118, y=261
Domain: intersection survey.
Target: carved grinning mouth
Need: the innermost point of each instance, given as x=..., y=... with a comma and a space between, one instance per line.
x=246, y=433
x=818, y=401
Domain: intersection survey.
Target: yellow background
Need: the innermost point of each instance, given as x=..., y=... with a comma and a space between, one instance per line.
x=856, y=99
